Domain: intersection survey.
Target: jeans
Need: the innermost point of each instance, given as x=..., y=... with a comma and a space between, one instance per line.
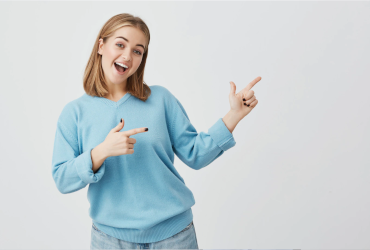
x=186, y=239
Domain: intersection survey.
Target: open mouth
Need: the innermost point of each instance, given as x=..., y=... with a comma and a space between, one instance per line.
x=119, y=68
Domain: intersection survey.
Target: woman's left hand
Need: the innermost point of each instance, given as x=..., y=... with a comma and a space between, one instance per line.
x=244, y=101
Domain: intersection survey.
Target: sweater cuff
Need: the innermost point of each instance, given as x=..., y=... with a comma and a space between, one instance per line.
x=221, y=135
x=84, y=168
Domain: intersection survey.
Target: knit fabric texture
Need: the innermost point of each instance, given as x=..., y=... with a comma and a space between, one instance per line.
x=137, y=197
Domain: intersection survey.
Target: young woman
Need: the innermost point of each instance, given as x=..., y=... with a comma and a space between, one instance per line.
x=137, y=197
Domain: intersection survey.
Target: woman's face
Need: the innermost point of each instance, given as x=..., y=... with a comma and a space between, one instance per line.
x=125, y=46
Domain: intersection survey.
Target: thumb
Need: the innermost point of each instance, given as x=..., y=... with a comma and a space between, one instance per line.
x=232, y=88
x=119, y=126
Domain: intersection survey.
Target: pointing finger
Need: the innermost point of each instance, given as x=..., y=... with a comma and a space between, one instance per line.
x=135, y=131
x=251, y=84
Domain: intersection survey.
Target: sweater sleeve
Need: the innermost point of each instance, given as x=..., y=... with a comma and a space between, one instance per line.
x=197, y=150
x=72, y=171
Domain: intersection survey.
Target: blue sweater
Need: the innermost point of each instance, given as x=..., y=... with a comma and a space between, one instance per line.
x=137, y=197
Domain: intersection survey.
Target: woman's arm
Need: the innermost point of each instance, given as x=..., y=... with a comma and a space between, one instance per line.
x=231, y=119
x=72, y=170
x=98, y=156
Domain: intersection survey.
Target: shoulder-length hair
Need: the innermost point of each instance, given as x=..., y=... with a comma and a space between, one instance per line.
x=93, y=79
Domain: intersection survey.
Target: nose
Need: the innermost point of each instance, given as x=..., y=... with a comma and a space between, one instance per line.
x=126, y=56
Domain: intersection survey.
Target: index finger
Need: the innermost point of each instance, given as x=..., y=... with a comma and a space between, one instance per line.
x=136, y=131
x=252, y=83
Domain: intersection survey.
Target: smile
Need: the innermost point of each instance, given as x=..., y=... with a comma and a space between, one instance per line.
x=120, y=70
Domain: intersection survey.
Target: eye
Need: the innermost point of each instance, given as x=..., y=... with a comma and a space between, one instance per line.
x=139, y=53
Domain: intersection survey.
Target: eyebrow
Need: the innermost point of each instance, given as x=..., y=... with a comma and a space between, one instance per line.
x=128, y=41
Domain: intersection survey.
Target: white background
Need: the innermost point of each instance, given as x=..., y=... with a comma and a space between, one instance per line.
x=298, y=176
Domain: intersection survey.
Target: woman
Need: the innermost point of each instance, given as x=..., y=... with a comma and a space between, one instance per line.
x=137, y=197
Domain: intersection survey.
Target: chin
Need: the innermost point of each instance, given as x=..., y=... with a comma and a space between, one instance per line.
x=118, y=81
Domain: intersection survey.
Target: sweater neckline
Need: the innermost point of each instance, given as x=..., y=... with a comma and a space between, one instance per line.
x=113, y=103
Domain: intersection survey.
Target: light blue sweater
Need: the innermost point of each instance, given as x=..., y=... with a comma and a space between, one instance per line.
x=137, y=197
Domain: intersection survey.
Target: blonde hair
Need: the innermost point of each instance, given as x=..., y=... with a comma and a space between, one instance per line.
x=93, y=80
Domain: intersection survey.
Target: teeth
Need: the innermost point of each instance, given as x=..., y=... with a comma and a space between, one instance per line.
x=122, y=65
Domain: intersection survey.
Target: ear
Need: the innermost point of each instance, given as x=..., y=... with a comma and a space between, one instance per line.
x=100, y=46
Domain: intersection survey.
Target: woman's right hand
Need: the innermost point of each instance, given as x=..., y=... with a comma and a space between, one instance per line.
x=119, y=143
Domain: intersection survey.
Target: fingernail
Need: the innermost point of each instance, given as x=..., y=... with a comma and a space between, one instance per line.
x=245, y=104
x=243, y=99
x=248, y=105
x=146, y=129
x=121, y=120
